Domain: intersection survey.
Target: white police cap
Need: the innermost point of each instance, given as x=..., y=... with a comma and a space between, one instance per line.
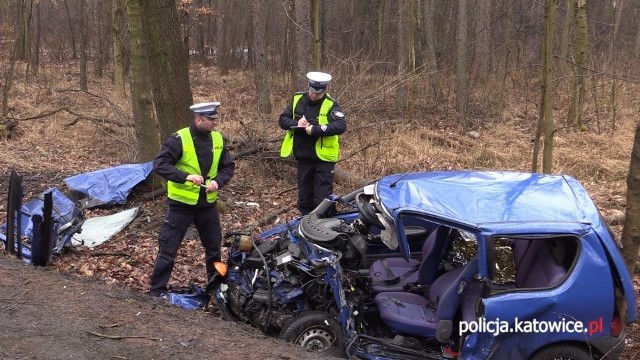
x=318, y=81
x=208, y=109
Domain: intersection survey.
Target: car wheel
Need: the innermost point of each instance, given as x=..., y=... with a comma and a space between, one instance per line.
x=562, y=352
x=315, y=331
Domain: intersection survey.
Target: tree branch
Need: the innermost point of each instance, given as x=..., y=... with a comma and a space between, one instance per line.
x=120, y=337
x=79, y=115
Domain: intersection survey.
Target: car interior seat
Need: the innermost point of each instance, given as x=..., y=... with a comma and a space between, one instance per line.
x=536, y=265
x=393, y=274
x=413, y=314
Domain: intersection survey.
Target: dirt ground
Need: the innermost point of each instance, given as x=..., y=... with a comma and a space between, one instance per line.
x=49, y=315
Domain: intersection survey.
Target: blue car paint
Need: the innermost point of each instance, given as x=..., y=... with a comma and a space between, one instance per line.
x=505, y=202
x=516, y=203
x=508, y=204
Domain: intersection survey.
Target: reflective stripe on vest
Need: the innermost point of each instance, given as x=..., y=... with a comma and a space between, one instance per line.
x=187, y=192
x=327, y=147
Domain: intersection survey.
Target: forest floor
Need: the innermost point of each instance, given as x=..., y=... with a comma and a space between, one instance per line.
x=49, y=315
x=92, y=303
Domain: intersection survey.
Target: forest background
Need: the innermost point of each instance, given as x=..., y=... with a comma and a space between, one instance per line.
x=547, y=85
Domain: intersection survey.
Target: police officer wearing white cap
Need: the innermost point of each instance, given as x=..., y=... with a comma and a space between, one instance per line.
x=197, y=164
x=313, y=121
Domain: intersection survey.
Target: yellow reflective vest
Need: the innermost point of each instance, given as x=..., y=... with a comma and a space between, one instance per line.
x=187, y=192
x=327, y=147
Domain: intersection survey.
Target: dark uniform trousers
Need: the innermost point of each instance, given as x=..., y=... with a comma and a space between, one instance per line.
x=315, y=183
x=174, y=228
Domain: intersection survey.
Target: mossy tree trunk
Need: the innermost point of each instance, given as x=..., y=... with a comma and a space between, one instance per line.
x=117, y=32
x=169, y=66
x=141, y=94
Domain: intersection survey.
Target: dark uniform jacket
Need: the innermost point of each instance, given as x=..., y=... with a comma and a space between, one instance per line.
x=171, y=152
x=303, y=144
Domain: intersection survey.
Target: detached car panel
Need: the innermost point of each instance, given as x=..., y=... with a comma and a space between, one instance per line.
x=453, y=264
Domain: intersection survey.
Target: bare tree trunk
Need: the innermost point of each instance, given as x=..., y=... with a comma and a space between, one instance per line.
x=303, y=36
x=636, y=48
x=119, y=12
x=8, y=80
x=147, y=135
x=380, y=25
x=538, y=133
x=185, y=23
x=82, y=27
x=582, y=62
x=566, y=31
x=430, y=53
x=509, y=51
x=99, y=34
x=24, y=15
x=287, y=47
x=261, y=72
x=222, y=51
x=631, y=230
x=547, y=68
x=402, y=61
x=483, y=38
x=619, y=7
x=37, y=32
x=199, y=35
x=462, y=74
x=169, y=65
x=317, y=51
x=207, y=30
x=71, y=31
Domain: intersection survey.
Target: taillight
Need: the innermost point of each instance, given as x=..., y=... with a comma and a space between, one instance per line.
x=616, y=326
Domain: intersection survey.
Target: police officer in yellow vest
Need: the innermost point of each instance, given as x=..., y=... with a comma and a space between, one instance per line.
x=313, y=121
x=196, y=164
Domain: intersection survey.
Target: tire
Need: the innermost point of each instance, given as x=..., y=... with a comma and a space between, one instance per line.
x=315, y=331
x=562, y=352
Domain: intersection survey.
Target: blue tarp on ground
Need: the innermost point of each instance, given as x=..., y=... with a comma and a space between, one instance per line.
x=108, y=186
x=64, y=210
x=97, y=188
x=67, y=220
x=193, y=299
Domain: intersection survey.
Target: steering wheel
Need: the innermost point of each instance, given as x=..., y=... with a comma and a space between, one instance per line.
x=367, y=211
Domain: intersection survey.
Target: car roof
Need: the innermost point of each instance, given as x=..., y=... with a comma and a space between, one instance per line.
x=489, y=198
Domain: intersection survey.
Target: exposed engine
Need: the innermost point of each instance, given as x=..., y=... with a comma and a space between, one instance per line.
x=270, y=280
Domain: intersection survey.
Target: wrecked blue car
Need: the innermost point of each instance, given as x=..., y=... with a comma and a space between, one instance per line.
x=435, y=265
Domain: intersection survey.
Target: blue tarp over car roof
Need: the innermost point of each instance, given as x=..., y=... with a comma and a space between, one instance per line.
x=479, y=198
